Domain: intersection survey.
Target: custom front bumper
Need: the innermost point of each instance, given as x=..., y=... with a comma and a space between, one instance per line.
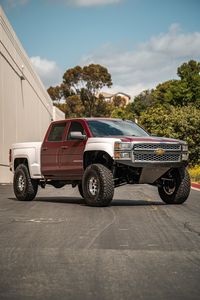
x=155, y=158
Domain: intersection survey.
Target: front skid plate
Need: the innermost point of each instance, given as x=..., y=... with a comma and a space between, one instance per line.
x=151, y=174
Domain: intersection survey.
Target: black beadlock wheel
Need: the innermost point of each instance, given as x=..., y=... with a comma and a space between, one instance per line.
x=175, y=188
x=25, y=188
x=98, y=185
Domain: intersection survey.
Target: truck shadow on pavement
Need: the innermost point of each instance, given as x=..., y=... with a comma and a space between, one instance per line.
x=120, y=202
x=115, y=202
x=80, y=201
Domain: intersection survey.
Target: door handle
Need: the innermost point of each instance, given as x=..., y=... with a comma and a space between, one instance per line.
x=64, y=147
x=44, y=148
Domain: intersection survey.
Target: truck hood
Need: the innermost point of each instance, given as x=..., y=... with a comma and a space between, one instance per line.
x=151, y=139
x=144, y=139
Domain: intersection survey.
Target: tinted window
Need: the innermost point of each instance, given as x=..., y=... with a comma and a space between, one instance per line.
x=56, y=132
x=115, y=128
x=75, y=126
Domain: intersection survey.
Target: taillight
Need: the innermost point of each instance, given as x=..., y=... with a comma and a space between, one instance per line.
x=10, y=155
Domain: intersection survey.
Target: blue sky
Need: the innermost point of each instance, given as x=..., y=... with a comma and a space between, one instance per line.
x=141, y=42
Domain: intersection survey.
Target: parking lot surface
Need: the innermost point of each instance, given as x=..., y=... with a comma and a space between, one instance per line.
x=55, y=247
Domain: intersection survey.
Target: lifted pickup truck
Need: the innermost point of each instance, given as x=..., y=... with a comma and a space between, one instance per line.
x=97, y=155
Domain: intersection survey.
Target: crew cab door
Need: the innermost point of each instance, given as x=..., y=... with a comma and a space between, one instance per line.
x=71, y=155
x=51, y=149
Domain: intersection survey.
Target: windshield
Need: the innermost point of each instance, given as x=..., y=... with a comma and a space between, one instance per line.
x=101, y=128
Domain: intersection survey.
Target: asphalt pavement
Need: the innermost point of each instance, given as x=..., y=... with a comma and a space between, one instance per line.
x=55, y=247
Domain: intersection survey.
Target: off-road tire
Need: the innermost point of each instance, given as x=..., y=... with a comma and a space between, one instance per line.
x=25, y=188
x=104, y=185
x=182, y=187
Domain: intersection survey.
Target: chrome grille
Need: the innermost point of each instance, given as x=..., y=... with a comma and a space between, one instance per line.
x=167, y=157
x=165, y=146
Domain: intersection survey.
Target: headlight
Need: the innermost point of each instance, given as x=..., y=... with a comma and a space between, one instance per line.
x=122, y=150
x=123, y=146
x=185, y=148
x=122, y=155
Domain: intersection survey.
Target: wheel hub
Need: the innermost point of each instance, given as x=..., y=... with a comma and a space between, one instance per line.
x=169, y=186
x=93, y=186
x=21, y=183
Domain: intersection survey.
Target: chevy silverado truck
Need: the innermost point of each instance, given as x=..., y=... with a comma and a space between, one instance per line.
x=97, y=155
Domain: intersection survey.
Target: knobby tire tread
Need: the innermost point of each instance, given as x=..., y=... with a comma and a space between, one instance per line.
x=31, y=185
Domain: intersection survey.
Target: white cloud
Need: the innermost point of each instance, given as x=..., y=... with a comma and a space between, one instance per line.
x=148, y=63
x=14, y=3
x=47, y=70
x=88, y=2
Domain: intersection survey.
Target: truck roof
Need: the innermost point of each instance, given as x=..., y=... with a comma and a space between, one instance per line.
x=86, y=119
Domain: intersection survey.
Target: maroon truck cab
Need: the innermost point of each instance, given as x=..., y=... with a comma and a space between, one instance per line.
x=61, y=152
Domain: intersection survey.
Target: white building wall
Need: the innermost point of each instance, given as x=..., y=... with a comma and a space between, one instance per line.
x=57, y=114
x=25, y=107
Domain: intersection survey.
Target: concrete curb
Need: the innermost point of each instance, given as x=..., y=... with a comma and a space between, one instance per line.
x=195, y=185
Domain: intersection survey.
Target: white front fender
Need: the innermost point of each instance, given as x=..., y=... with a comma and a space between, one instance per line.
x=101, y=144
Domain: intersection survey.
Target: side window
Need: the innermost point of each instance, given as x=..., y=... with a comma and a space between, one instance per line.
x=56, y=132
x=75, y=126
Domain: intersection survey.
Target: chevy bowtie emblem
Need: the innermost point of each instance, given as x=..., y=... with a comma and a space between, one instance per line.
x=159, y=151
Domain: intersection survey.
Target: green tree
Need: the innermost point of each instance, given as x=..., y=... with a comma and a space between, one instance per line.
x=190, y=75
x=102, y=108
x=55, y=93
x=119, y=101
x=85, y=83
x=95, y=78
x=184, y=91
x=142, y=102
x=187, y=71
x=179, y=92
x=172, y=92
x=178, y=122
x=123, y=113
x=74, y=107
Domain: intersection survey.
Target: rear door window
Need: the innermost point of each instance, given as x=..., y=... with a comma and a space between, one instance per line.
x=56, y=132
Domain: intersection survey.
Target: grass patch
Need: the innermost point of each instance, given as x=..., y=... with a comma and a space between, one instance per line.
x=195, y=173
